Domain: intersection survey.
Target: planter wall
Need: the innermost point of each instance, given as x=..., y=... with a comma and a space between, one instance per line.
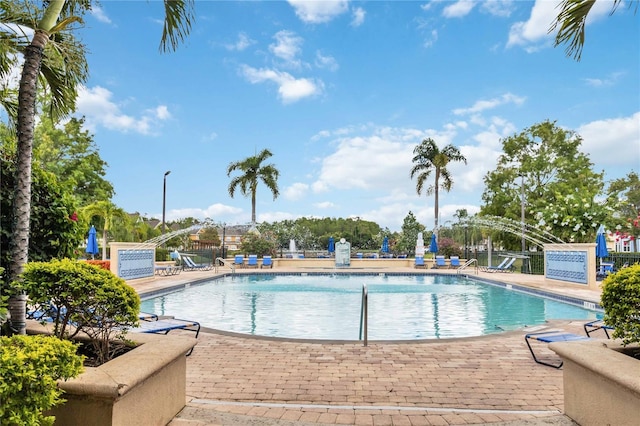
x=601, y=384
x=146, y=386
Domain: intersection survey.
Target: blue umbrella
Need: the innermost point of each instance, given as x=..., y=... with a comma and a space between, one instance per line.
x=601, y=245
x=385, y=245
x=332, y=245
x=92, y=242
x=433, y=247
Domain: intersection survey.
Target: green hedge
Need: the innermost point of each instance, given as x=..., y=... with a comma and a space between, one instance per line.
x=29, y=369
x=621, y=302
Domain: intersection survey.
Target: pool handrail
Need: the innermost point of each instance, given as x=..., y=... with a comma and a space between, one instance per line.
x=468, y=263
x=364, y=311
x=220, y=260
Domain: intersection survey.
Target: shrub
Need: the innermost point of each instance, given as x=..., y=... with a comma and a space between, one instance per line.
x=621, y=302
x=78, y=297
x=104, y=264
x=29, y=369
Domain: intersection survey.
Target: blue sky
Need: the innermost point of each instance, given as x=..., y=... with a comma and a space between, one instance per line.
x=341, y=92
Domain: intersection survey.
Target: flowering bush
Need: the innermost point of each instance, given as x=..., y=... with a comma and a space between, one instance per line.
x=572, y=218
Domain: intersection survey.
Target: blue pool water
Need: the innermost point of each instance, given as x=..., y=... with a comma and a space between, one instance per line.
x=401, y=307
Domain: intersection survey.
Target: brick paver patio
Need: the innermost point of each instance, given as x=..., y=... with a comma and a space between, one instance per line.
x=235, y=380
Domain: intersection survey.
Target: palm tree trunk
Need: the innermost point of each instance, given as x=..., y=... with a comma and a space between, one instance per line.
x=253, y=206
x=104, y=244
x=437, y=200
x=22, y=203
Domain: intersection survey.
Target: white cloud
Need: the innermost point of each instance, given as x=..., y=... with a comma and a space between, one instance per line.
x=431, y=39
x=242, y=43
x=287, y=47
x=327, y=62
x=482, y=105
x=612, y=142
x=99, y=13
x=534, y=33
x=502, y=8
x=325, y=205
x=214, y=211
x=296, y=191
x=604, y=82
x=358, y=16
x=458, y=9
x=97, y=106
x=290, y=89
x=317, y=12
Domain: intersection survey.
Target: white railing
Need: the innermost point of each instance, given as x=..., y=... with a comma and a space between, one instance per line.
x=468, y=263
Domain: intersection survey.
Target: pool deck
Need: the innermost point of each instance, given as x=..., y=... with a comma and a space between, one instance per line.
x=244, y=380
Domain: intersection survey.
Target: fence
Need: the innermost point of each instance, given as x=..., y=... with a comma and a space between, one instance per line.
x=534, y=263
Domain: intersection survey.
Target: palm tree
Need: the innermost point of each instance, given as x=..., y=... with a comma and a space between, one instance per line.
x=571, y=22
x=253, y=170
x=427, y=158
x=107, y=211
x=55, y=22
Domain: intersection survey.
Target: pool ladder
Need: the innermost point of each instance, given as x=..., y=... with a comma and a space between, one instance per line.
x=220, y=261
x=364, y=311
x=468, y=263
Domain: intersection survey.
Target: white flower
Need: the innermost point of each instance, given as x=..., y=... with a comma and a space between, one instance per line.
x=575, y=228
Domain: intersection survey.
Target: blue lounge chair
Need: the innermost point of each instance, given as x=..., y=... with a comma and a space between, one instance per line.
x=164, y=326
x=266, y=262
x=550, y=337
x=503, y=267
x=486, y=268
x=440, y=262
x=190, y=265
x=253, y=261
x=419, y=262
x=239, y=261
x=592, y=326
x=454, y=262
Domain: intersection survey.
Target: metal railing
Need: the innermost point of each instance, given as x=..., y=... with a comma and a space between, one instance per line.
x=364, y=312
x=222, y=261
x=468, y=263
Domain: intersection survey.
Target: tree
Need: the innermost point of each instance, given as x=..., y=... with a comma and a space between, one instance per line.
x=571, y=22
x=72, y=155
x=55, y=231
x=410, y=229
x=254, y=171
x=624, y=195
x=536, y=165
x=108, y=212
x=427, y=158
x=68, y=70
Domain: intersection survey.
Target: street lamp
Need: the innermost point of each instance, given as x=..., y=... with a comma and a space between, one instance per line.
x=164, y=197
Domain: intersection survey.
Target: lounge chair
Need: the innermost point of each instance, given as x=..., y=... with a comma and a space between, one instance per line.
x=253, y=261
x=593, y=326
x=550, y=337
x=266, y=262
x=167, y=270
x=440, y=262
x=507, y=267
x=190, y=265
x=419, y=263
x=454, y=262
x=486, y=268
x=239, y=261
x=164, y=326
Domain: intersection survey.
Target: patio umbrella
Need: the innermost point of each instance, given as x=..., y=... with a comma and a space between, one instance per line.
x=385, y=245
x=92, y=242
x=433, y=247
x=332, y=245
x=601, y=245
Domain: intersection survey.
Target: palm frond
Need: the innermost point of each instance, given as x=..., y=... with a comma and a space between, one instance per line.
x=177, y=23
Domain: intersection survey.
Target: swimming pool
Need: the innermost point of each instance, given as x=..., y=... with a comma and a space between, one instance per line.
x=323, y=306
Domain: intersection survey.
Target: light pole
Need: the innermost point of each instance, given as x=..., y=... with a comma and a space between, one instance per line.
x=164, y=197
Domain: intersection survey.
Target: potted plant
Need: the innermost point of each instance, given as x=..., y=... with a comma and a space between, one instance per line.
x=133, y=373
x=601, y=380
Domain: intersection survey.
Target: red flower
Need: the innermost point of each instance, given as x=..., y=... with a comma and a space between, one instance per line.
x=74, y=217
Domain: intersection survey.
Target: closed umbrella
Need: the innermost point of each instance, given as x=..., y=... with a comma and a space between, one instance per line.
x=433, y=247
x=92, y=242
x=420, y=246
x=385, y=245
x=332, y=245
x=601, y=246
